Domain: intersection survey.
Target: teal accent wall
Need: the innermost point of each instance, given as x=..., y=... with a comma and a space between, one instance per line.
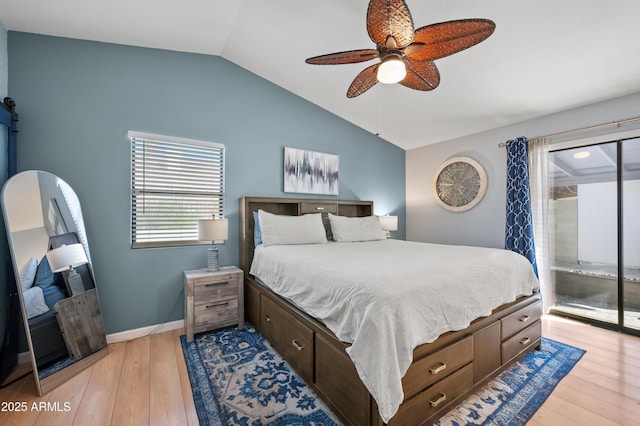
x=78, y=99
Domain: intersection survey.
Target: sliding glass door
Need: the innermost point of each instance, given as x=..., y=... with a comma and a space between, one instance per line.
x=595, y=232
x=630, y=244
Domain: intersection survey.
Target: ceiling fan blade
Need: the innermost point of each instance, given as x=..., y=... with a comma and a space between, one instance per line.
x=363, y=81
x=349, y=57
x=390, y=18
x=421, y=75
x=446, y=38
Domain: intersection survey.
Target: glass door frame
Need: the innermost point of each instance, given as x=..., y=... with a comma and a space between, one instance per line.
x=618, y=139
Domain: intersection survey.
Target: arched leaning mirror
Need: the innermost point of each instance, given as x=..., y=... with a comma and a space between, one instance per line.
x=54, y=276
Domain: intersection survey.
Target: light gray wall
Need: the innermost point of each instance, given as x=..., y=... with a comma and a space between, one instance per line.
x=77, y=100
x=484, y=224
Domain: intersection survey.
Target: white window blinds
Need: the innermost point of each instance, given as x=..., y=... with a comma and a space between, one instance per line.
x=174, y=182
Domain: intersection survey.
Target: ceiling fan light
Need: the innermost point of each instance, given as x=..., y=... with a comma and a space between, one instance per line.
x=392, y=70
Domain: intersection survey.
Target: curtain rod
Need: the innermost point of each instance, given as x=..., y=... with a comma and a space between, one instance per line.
x=616, y=123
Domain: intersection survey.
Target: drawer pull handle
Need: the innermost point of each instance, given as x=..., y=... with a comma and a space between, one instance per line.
x=297, y=345
x=524, y=340
x=439, y=368
x=213, y=305
x=524, y=318
x=438, y=401
x=319, y=208
x=267, y=318
x=216, y=283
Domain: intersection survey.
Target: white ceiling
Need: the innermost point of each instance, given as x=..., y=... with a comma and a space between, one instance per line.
x=545, y=55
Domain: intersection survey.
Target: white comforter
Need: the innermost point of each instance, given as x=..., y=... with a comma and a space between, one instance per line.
x=387, y=297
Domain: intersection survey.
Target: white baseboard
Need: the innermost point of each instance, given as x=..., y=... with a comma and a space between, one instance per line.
x=123, y=336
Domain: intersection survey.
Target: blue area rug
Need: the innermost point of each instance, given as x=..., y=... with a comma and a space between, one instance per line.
x=515, y=395
x=238, y=379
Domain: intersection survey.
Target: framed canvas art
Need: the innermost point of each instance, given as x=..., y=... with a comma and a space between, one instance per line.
x=310, y=172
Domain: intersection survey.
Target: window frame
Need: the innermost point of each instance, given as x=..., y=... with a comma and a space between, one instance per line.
x=134, y=136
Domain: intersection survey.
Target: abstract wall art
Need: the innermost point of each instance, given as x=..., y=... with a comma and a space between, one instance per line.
x=310, y=172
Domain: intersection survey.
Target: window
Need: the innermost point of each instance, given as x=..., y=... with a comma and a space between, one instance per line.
x=174, y=182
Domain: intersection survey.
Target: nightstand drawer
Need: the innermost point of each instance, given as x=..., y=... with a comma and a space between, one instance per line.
x=215, y=289
x=216, y=311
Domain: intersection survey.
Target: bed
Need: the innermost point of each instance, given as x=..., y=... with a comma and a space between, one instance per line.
x=46, y=336
x=326, y=351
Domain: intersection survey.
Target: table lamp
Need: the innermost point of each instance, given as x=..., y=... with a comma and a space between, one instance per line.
x=213, y=230
x=65, y=259
x=388, y=223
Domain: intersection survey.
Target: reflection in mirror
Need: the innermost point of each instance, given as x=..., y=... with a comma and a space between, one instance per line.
x=65, y=330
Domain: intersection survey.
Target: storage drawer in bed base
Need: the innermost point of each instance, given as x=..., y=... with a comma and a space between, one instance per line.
x=435, y=398
x=291, y=337
x=327, y=368
x=522, y=341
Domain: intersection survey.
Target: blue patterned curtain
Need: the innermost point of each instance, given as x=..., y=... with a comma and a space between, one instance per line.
x=519, y=230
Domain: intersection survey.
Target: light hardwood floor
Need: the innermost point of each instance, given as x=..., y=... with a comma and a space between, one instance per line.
x=141, y=382
x=145, y=382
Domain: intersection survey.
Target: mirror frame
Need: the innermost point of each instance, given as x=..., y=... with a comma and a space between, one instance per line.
x=55, y=379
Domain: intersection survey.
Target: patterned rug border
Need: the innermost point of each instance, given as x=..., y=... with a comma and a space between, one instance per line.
x=528, y=395
x=514, y=409
x=200, y=385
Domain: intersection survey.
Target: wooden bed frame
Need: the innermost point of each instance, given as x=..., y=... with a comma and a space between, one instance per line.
x=443, y=372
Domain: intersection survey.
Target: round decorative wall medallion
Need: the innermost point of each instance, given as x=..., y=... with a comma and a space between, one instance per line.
x=459, y=184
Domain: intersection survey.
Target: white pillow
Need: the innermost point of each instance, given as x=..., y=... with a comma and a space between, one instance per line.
x=347, y=229
x=34, y=302
x=280, y=229
x=28, y=273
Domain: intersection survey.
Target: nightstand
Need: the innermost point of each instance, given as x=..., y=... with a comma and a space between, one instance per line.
x=81, y=323
x=213, y=299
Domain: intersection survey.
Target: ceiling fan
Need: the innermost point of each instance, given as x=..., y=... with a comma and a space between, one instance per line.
x=406, y=55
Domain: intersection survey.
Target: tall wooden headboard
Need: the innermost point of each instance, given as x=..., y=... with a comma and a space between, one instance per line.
x=291, y=207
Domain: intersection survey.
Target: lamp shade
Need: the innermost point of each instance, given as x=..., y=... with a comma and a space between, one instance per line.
x=66, y=257
x=213, y=229
x=388, y=223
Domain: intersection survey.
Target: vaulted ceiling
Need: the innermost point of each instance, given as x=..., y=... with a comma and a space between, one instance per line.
x=545, y=56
